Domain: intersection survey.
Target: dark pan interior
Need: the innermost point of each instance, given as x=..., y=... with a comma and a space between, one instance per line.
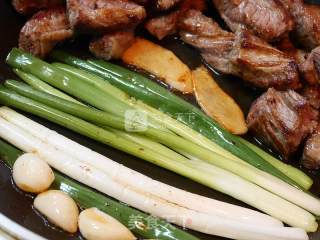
x=18, y=205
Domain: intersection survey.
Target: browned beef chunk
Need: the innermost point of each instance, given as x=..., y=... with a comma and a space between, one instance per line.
x=308, y=64
x=101, y=16
x=195, y=22
x=267, y=19
x=263, y=65
x=166, y=4
x=163, y=26
x=310, y=68
x=44, y=30
x=241, y=54
x=282, y=120
x=286, y=46
x=307, y=21
x=214, y=43
x=112, y=45
x=311, y=153
x=31, y=6
x=215, y=50
x=312, y=94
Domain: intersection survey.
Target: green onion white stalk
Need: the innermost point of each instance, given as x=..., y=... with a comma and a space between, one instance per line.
x=16, y=230
x=88, y=198
x=97, y=179
x=246, y=171
x=135, y=179
x=218, y=178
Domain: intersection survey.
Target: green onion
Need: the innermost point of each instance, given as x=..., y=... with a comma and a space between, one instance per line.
x=173, y=141
x=179, y=128
x=299, y=176
x=42, y=86
x=128, y=176
x=44, y=71
x=176, y=126
x=199, y=221
x=87, y=198
x=209, y=175
x=151, y=93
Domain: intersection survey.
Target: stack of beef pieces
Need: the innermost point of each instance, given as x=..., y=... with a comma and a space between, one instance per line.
x=286, y=116
x=257, y=48
x=110, y=22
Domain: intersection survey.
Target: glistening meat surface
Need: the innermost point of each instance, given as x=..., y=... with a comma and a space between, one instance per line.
x=307, y=22
x=44, y=30
x=282, y=120
x=30, y=6
x=112, y=45
x=310, y=68
x=241, y=54
x=102, y=16
x=162, y=26
x=267, y=19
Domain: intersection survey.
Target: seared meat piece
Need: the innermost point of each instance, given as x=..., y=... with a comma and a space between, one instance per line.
x=282, y=120
x=241, y=54
x=312, y=94
x=166, y=4
x=310, y=68
x=309, y=64
x=263, y=65
x=285, y=45
x=44, y=30
x=307, y=21
x=163, y=26
x=214, y=43
x=112, y=45
x=311, y=152
x=267, y=19
x=215, y=50
x=195, y=22
x=101, y=16
x=31, y=6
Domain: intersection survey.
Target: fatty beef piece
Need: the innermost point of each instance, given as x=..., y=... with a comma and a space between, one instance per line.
x=241, y=54
x=282, y=120
x=103, y=16
x=111, y=45
x=28, y=7
x=44, y=30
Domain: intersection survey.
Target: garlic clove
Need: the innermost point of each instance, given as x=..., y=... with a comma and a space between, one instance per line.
x=59, y=208
x=97, y=225
x=32, y=174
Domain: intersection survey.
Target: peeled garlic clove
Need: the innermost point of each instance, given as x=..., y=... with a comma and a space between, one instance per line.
x=97, y=225
x=59, y=208
x=32, y=174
